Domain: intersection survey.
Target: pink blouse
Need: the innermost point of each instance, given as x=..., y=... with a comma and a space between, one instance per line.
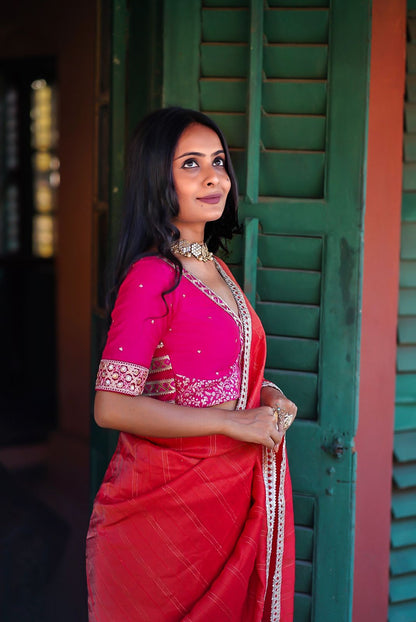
x=188, y=352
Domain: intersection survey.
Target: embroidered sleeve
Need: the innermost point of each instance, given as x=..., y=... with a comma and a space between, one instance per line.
x=121, y=377
x=139, y=321
x=268, y=383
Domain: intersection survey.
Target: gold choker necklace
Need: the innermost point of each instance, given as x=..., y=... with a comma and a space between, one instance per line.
x=199, y=250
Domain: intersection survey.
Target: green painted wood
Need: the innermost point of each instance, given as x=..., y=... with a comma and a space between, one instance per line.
x=220, y=60
x=294, y=252
x=411, y=88
x=301, y=194
x=405, y=446
x=403, y=561
x=234, y=127
x=403, y=588
x=289, y=320
x=295, y=286
x=224, y=94
x=407, y=331
x=254, y=100
x=293, y=132
x=406, y=357
x=215, y=3
x=294, y=26
x=407, y=273
x=277, y=215
x=403, y=533
x=294, y=96
x=407, y=301
x=404, y=612
x=225, y=25
x=405, y=417
x=295, y=61
x=403, y=505
x=411, y=57
x=409, y=176
x=292, y=354
x=279, y=173
x=408, y=240
x=304, y=508
x=303, y=385
x=409, y=147
x=410, y=117
x=298, y=3
x=408, y=207
x=304, y=572
x=251, y=232
x=403, y=530
x=180, y=44
x=303, y=608
x=404, y=475
x=239, y=158
x=144, y=51
x=103, y=442
x=304, y=543
x=406, y=388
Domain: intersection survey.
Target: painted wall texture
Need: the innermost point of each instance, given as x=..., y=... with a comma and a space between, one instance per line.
x=374, y=439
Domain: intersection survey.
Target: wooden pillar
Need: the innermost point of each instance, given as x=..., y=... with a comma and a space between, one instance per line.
x=379, y=310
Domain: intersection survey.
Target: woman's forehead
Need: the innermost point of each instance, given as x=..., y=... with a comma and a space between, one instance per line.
x=198, y=138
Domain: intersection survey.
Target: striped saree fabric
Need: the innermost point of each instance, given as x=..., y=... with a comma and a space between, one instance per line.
x=195, y=529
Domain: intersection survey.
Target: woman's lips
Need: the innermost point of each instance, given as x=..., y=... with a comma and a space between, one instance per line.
x=212, y=199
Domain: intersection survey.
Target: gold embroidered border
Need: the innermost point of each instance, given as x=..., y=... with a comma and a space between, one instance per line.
x=121, y=377
x=160, y=363
x=153, y=388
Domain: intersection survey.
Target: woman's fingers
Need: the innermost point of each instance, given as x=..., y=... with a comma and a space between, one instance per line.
x=256, y=425
x=285, y=412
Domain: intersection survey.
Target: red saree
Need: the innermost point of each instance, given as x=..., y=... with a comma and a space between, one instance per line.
x=195, y=529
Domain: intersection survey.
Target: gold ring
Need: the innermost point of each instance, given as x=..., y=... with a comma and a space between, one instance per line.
x=283, y=418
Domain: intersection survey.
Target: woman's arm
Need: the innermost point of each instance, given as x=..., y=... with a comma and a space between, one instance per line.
x=146, y=416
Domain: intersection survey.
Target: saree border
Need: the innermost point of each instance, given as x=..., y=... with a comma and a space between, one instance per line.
x=245, y=320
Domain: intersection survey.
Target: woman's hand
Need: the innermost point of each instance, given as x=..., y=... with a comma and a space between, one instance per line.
x=285, y=410
x=256, y=425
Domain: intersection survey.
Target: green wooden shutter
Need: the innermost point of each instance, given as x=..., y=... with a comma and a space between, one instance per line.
x=128, y=36
x=287, y=81
x=403, y=528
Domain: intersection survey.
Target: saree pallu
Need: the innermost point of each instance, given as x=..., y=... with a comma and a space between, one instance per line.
x=194, y=529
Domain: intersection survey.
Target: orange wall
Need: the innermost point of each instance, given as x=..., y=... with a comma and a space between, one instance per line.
x=379, y=310
x=67, y=31
x=76, y=69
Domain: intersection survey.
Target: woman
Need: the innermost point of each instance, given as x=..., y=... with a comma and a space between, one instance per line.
x=194, y=518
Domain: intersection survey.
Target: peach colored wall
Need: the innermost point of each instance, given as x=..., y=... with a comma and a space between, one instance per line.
x=379, y=310
x=76, y=68
x=67, y=30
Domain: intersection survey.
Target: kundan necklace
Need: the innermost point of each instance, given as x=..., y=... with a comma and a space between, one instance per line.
x=199, y=250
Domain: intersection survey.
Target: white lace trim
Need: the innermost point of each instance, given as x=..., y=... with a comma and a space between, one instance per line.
x=270, y=477
x=269, y=383
x=280, y=540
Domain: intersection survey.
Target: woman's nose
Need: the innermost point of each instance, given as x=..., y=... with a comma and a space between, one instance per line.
x=212, y=179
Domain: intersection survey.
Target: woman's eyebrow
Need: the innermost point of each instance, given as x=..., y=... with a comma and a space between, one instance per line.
x=197, y=153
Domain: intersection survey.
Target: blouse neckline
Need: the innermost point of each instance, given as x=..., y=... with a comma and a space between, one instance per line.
x=213, y=295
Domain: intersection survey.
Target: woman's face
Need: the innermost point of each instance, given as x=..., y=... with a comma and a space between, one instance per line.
x=199, y=176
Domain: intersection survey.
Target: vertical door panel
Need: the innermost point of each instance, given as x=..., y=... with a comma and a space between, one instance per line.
x=403, y=525
x=288, y=85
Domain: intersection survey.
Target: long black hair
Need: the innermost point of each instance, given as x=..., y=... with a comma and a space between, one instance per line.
x=150, y=201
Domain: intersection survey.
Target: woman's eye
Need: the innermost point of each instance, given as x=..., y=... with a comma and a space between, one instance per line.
x=189, y=164
x=219, y=162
